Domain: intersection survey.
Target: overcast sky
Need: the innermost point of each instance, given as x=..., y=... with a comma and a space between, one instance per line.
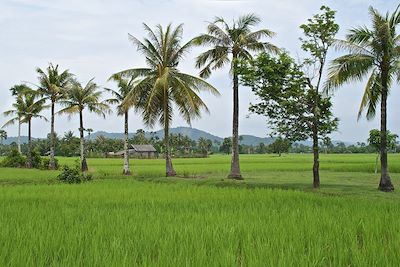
x=90, y=38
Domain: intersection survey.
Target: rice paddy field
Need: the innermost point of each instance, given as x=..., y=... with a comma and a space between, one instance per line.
x=200, y=218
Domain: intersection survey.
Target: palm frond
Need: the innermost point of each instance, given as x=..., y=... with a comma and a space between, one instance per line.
x=246, y=21
x=10, y=122
x=347, y=68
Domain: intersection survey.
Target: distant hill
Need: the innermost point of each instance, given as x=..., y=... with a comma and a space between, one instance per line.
x=193, y=133
x=11, y=139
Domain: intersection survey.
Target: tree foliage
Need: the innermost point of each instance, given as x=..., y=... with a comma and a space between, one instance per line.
x=374, y=140
x=284, y=97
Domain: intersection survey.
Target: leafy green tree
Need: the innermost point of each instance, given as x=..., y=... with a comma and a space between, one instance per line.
x=204, y=145
x=79, y=98
x=52, y=85
x=140, y=137
x=226, y=146
x=230, y=43
x=319, y=33
x=69, y=145
x=372, y=52
x=280, y=146
x=285, y=98
x=3, y=136
x=161, y=85
x=125, y=86
x=261, y=149
x=374, y=140
x=327, y=143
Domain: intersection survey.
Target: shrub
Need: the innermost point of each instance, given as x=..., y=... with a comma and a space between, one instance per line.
x=14, y=159
x=36, y=159
x=45, y=164
x=73, y=175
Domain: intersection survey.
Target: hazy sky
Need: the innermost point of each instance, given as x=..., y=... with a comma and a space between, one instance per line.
x=90, y=38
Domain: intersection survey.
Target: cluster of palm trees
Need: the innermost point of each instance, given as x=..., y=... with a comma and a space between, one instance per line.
x=153, y=90
x=53, y=87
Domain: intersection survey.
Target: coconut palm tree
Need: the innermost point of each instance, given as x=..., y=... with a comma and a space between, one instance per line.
x=77, y=99
x=372, y=52
x=125, y=86
x=27, y=106
x=162, y=85
x=229, y=44
x=3, y=135
x=89, y=131
x=17, y=92
x=52, y=85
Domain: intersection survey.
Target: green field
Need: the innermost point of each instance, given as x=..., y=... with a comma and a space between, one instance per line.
x=200, y=218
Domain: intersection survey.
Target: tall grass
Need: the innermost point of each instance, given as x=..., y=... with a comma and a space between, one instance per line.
x=150, y=220
x=128, y=223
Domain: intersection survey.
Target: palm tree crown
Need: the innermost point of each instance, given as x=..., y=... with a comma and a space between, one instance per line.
x=231, y=42
x=52, y=83
x=80, y=97
x=372, y=52
x=125, y=86
x=3, y=135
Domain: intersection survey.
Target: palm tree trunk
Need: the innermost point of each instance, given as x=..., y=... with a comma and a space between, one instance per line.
x=235, y=167
x=52, y=164
x=19, y=136
x=29, y=158
x=84, y=166
x=168, y=161
x=126, y=170
x=385, y=183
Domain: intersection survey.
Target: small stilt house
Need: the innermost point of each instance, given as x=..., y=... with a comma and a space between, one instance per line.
x=136, y=151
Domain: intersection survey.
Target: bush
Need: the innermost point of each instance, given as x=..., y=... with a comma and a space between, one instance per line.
x=73, y=175
x=45, y=163
x=14, y=159
x=36, y=159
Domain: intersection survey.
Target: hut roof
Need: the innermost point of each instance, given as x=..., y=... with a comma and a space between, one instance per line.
x=143, y=148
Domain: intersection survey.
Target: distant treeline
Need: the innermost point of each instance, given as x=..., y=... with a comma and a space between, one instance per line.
x=183, y=146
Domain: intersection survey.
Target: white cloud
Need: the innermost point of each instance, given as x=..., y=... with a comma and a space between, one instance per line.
x=90, y=38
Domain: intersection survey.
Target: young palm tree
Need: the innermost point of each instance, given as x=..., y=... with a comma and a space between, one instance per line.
x=52, y=85
x=161, y=84
x=17, y=92
x=375, y=53
x=27, y=107
x=79, y=98
x=3, y=135
x=125, y=85
x=230, y=43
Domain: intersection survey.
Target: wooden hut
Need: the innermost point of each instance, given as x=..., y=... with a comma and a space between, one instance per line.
x=143, y=151
x=136, y=151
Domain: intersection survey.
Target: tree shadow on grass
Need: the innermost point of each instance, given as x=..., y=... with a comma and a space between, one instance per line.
x=328, y=189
